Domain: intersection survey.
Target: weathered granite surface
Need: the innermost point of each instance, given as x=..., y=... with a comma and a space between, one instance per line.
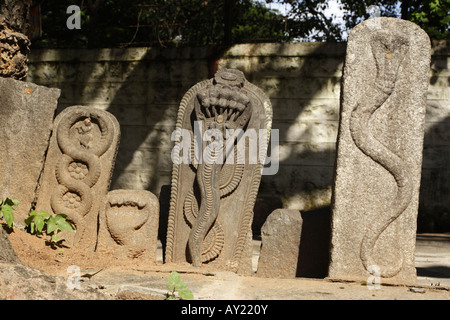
x=280, y=236
x=379, y=157
x=27, y=112
x=78, y=169
x=295, y=244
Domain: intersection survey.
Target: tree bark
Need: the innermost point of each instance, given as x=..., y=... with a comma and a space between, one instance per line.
x=15, y=14
x=14, y=44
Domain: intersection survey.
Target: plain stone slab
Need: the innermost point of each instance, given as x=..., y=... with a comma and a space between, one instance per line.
x=295, y=244
x=379, y=157
x=27, y=112
x=280, y=236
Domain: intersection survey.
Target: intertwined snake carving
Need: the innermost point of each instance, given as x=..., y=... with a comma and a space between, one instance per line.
x=221, y=106
x=389, y=51
x=79, y=167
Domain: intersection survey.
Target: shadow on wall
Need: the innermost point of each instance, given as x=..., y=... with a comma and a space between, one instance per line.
x=147, y=114
x=434, y=272
x=143, y=87
x=434, y=201
x=434, y=197
x=313, y=254
x=303, y=84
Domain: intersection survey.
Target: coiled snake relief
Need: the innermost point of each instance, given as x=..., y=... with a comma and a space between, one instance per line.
x=79, y=167
x=389, y=52
x=221, y=106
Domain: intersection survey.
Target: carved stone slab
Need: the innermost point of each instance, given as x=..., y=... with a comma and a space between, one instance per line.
x=78, y=169
x=129, y=223
x=27, y=111
x=213, y=192
x=379, y=153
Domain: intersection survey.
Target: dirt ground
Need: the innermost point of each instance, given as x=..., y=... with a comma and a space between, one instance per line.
x=140, y=280
x=37, y=251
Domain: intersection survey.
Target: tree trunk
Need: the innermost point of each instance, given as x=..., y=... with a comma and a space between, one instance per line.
x=15, y=14
x=14, y=44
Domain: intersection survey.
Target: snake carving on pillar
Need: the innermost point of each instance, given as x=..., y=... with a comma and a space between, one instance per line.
x=83, y=137
x=221, y=107
x=389, y=51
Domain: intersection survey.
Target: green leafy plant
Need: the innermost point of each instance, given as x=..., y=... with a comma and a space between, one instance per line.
x=177, y=285
x=44, y=221
x=6, y=210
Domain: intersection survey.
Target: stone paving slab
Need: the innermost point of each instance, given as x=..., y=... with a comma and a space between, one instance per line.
x=432, y=262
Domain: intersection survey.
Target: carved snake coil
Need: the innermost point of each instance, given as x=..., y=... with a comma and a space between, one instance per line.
x=389, y=51
x=221, y=106
x=214, y=240
x=76, y=151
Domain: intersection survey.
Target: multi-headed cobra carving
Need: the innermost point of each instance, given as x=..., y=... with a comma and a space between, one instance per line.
x=223, y=105
x=389, y=52
x=79, y=167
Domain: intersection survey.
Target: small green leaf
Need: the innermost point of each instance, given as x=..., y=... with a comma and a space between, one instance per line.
x=45, y=214
x=51, y=226
x=29, y=220
x=11, y=202
x=186, y=294
x=39, y=222
x=176, y=284
x=174, y=278
x=180, y=286
x=63, y=224
x=7, y=212
x=55, y=238
x=32, y=226
x=33, y=213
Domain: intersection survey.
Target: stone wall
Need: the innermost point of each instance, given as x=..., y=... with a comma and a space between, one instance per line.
x=142, y=87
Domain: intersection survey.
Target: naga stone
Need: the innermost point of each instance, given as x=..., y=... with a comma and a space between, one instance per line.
x=379, y=154
x=27, y=112
x=78, y=169
x=221, y=137
x=129, y=221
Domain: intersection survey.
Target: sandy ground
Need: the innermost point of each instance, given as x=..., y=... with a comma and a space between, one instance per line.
x=134, y=280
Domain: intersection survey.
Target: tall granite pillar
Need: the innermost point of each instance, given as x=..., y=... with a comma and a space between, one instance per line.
x=379, y=154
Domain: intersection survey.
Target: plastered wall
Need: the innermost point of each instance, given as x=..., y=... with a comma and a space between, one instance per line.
x=142, y=87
